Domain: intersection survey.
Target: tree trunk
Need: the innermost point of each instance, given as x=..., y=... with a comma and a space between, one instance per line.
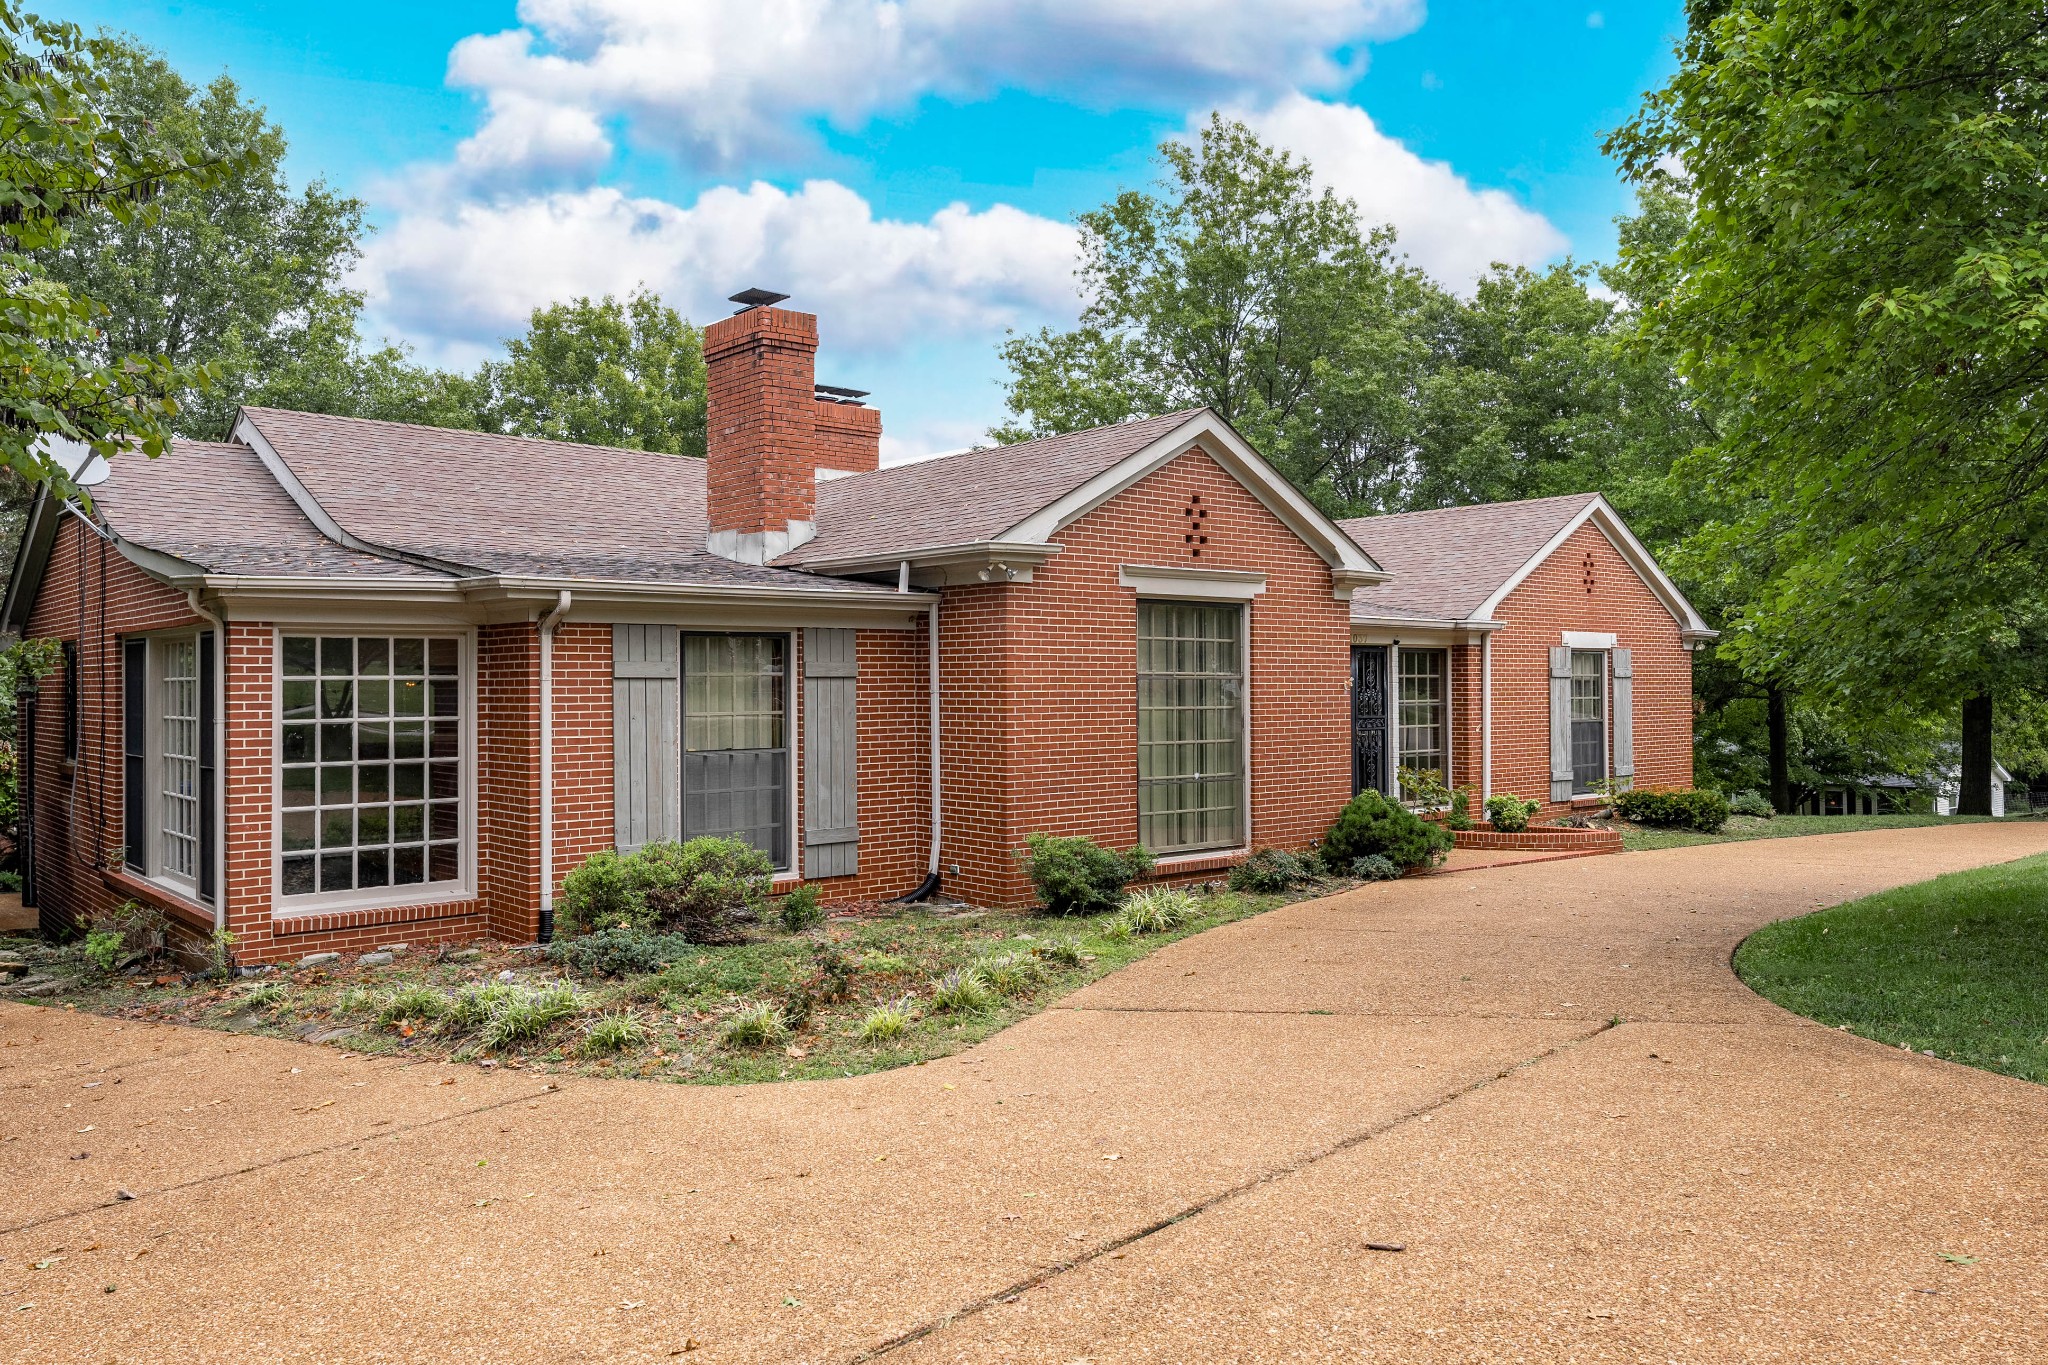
x=1973, y=792
x=1781, y=759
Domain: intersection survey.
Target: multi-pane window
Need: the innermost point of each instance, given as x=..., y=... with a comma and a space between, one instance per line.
x=370, y=743
x=1422, y=710
x=1589, y=719
x=735, y=745
x=1191, y=751
x=177, y=757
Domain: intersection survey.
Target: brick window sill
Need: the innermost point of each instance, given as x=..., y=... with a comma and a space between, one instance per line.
x=294, y=923
x=159, y=897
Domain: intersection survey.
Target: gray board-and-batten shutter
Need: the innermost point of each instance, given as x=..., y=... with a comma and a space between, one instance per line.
x=1560, y=723
x=646, y=701
x=831, y=755
x=1624, y=717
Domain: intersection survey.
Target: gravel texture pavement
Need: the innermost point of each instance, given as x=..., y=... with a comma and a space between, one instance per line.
x=1185, y=1161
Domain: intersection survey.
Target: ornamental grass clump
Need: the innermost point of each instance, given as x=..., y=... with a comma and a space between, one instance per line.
x=525, y=1014
x=756, y=1025
x=613, y=1032
x=887, y=1023
x=1009, y=974
x=1064, y=951
x=469, y=1008
x=1158, y=910
x=268, y=996
x=417, y=1003
x=964, y=990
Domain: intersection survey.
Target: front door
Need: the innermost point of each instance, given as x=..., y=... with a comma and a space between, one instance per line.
x=1368, y=718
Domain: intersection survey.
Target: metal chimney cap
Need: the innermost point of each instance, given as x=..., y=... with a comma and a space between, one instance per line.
x=755, y=298
x=836, y=394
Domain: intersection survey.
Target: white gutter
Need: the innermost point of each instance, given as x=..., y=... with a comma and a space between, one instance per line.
x=547, y=762
x=220, y=758
x=1485, y=720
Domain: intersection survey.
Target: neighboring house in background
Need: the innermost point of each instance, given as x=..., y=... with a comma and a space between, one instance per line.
x=334, y=683
x=1889, y=794
x=1947, y=780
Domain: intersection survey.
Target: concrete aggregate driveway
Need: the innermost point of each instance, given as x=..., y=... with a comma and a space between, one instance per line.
x=1183, y=1162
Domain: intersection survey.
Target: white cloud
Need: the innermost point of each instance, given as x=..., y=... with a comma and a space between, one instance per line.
x=470, y=271
x=1447, y=227
x=720, y=81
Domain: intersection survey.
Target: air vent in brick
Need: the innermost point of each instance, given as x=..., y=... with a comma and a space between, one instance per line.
x=1586, y=574
x=1198, y=526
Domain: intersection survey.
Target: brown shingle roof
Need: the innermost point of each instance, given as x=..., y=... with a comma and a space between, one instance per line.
x=512, y=504
x=973, y=496
x=1448, y=561
x=213, y=504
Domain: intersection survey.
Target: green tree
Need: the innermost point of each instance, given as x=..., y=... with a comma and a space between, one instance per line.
x=603, y=372
x=73, y=160
x=1862, y=290
x=1241, y=288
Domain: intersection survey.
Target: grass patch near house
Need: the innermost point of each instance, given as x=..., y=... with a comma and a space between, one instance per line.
x=1635, y=838
x=855, y=995
x=1953, y=967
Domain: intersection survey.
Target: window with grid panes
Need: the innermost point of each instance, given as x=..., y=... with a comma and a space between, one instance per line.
x=1422, y=710
x=1191, y=752
x=370, y=745
x=735, y=749
x=1589, y=719
x=177, y=757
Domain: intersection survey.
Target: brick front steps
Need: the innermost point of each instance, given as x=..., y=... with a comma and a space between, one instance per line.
x=1581, y=841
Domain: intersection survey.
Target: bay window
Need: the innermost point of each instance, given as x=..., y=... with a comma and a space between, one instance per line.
x=370, y=750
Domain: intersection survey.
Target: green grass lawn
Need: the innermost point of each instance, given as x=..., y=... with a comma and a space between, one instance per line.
x=1783, y=827
x=1957, y=966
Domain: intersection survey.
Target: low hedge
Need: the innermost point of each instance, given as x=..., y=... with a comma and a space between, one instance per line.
x=1695, y=808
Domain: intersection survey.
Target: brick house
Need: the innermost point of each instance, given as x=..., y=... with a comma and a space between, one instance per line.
x=333, y=683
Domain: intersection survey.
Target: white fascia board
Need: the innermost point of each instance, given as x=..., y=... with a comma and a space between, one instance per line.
x=1609, y=523
x=1380, y=625
x=1179, y=580
x=1589, y=639
x=1352, y=565
x=1028, y=554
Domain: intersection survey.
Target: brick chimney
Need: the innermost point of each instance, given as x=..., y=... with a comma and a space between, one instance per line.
x=760, y=425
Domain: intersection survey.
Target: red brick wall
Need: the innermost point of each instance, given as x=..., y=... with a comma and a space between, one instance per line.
x=848, y=437
x=508, y=778
x=1554, y=599
x=1467, y=702
x=78, y=815
x=582, y=665
x=1040, y=681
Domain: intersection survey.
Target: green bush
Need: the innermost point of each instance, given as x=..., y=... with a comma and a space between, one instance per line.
x=800, y=910
x=705, y=890
x=1671, y=808
x=1374, y=867
x=1372, y=824
x=1270, y=871
x=1509, y=813
x=104, y=949
x=1753, y=804
x=618, y=952
x=1077, y=876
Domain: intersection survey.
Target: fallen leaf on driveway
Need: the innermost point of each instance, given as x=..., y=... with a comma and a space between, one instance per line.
x=1948, y=1256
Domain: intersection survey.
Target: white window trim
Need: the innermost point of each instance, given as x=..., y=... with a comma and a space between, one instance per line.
x=1400, y=755
x=185, y=888
x=381, y=897
x=793, y=666
x=1169, y=582
x=1606, y=653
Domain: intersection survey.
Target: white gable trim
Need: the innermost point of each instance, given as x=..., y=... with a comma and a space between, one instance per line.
x=1349, y=565
x=1609, y=523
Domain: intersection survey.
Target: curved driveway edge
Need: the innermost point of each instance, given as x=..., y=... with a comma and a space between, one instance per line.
x=1183, y=1161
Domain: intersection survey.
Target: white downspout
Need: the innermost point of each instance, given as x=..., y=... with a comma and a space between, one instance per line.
x=932, y=653
x=547, y=763
x=1485, y=718
x=220, y=757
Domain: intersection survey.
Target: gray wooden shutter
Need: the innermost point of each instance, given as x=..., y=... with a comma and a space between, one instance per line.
x=646, y=700
x=1624, y=718
x=1560, y=723
x=831, y=755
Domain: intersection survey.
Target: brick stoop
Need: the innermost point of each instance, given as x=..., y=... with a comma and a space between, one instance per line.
x=1553, y=840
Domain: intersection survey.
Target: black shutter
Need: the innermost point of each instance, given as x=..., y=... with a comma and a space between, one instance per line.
x=134, y=750
x=208, y=835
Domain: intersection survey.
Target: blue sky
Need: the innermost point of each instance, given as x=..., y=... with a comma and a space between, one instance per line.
x=908, y=169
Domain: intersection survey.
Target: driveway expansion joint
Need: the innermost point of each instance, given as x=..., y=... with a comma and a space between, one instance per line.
x=1051, y=1272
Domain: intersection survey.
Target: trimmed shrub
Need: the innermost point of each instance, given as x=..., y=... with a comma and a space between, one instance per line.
x=1270, y=871
x=800, y=910
x=1509, y=813
x=1670, y=808
x=1753, y=804
x=618, y=952
x=1373, y=867
x=706, y=890
x=1077, y=876
x=1371, y=824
